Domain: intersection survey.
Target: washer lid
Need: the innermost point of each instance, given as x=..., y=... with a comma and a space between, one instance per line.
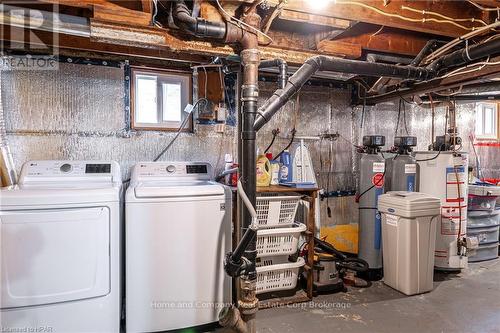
x=177, y=189
x=57, y=194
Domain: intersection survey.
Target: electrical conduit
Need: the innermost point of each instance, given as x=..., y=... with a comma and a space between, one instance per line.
x=8, y=174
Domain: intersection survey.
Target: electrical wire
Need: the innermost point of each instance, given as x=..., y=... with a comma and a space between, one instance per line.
x=484, y=8
x=373, y=185
x=155, y=12
x=424, y=12
x=404, y=118
x=376, y=183
x=432, y=158
x=231, y=17
x=287, y=146
x=405, y=18
x=433, y=114
x=295, y=119
x=181, y=127
x=399, y=116
x=462, y=70
x=276, y=12
x=445, y=48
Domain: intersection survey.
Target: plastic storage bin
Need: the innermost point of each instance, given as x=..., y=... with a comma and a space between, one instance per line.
x=276, y=211
x=483, y=221
x=279, y=241
x=485, y=226
x=409, y=222
x=482, y=197
x=276, y=273
x=484, y=252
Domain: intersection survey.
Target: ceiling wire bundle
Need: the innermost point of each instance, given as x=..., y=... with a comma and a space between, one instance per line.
x=461, y=39
x=405, y=18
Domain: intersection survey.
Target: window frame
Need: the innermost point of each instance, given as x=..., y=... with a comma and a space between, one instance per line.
x=487, y=137
x=162, y=77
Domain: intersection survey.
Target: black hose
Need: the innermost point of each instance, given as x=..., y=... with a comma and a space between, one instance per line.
x=354, y=264
x=275, y=134
x=343, y=261
x=288, y=146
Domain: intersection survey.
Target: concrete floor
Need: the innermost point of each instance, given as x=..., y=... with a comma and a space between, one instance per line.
x=466, y=302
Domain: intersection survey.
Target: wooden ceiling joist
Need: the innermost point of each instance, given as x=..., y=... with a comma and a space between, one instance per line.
x=392, y=15
x=110, y=11
x=387, y=40
x=294, y=16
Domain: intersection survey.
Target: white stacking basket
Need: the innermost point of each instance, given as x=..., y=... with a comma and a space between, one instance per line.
x=277, y=211
x=279, y=241
x=277, y=273
x=277, y=238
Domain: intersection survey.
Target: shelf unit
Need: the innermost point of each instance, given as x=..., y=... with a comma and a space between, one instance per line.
x=310, y=195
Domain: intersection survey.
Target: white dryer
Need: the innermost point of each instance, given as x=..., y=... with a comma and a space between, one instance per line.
x=178, y=229
x=60, y=248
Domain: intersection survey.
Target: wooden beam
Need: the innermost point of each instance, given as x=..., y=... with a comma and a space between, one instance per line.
x=488, y=3
x=108, y=11
x=313, y=19
x=392, y=15
x=347, y=50
x=147, y=6
x=148, y=42
x=389, y=40
x=14, y=38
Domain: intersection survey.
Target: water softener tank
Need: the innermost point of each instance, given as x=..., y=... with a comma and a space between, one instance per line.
x=401, y=174
x=371, y=185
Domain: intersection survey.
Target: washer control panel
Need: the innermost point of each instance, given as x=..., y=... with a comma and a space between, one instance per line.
x=191, y=170
x=69, y=170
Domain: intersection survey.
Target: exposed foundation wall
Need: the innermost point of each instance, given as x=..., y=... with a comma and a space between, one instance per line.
x=78, y=112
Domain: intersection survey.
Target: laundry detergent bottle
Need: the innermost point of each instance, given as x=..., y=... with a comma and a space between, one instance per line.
x=263, y=171
x=286, y=172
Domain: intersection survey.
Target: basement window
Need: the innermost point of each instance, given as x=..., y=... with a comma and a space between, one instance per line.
x=487, y=121
x=158, y=99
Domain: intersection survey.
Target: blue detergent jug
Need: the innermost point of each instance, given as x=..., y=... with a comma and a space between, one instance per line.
x=286, y=168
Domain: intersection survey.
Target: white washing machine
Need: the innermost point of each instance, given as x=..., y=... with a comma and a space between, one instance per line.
x=60, y=248
x=177, y=231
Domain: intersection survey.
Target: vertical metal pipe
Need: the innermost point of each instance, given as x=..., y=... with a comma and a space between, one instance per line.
x=8, y=174
x=249, y=95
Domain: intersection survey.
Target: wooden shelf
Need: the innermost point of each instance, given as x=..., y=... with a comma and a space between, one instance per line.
x=284, y=189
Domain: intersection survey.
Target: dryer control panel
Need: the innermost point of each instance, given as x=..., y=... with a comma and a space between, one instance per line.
x=172, y=170
x=70, y=171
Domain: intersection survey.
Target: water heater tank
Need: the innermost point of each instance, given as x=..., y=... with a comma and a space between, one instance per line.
x=444, y=175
